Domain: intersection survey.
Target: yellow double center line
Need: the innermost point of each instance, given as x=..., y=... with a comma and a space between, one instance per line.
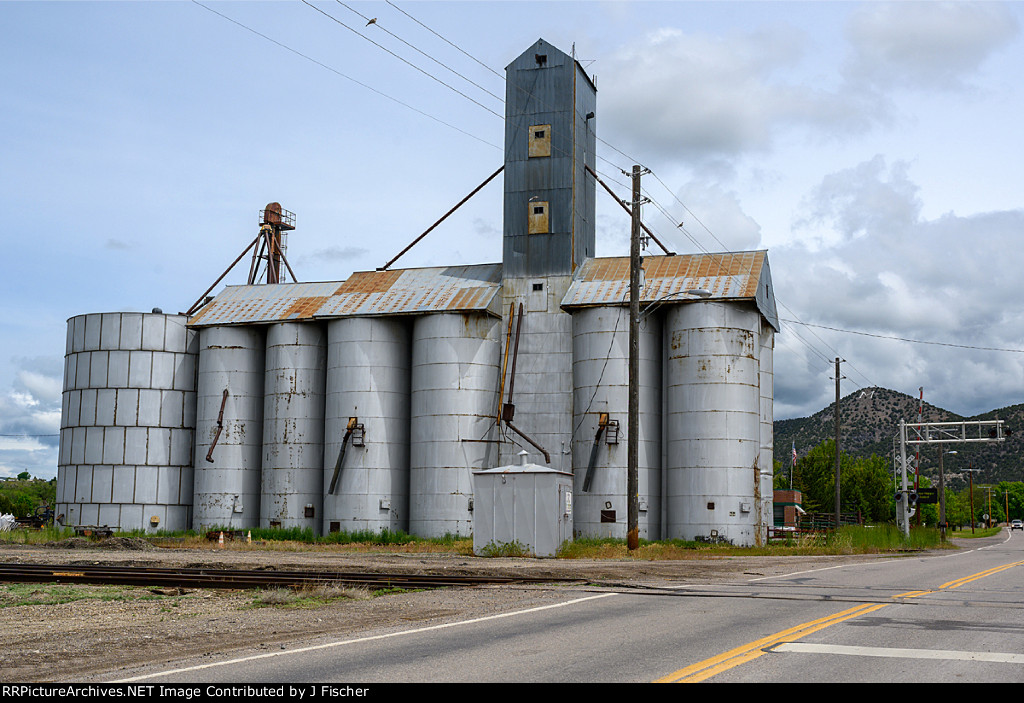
x=752, y=650
x=734, y=657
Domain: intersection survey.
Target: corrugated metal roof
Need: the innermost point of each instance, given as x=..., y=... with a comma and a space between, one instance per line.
x=410, y=291
x=727, y=276
x=275, y=302
x=366, y=293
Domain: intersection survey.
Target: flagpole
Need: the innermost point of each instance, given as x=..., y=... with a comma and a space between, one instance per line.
x=792, y=466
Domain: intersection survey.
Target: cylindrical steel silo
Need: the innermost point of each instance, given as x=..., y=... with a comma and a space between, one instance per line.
x=293, y=426
x=368, y=386
x=127, y=422
x=454, y=406
x=600, y=345
x=713, y=421
x=229, y=427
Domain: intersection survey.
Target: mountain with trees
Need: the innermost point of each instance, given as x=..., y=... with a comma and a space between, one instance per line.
x=869, y=422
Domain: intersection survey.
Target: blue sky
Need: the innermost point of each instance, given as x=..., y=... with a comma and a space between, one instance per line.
x=872, y=148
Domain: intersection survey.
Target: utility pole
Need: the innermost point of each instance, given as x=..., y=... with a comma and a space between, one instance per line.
x=633, y=432
x=838, y=361
x=917, y=454
x=902, y=499
x=970, y=475
x=942, y=496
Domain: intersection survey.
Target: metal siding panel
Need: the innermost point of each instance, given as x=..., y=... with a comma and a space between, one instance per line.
x=123, y=486
x=110, y=331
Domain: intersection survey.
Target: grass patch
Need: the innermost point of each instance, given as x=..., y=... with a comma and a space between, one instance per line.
x=51, y=533
x=978, y=532
x=310, y=595
x=505, y=549
x=847, y=540
x=56, y=594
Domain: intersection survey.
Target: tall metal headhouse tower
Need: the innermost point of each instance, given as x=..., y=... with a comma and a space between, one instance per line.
x=548, y=233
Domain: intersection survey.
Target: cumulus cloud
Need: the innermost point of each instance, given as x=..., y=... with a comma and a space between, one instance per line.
x=720, y=211
x=700, y=97
x=889, y=271
x=30, y=419
x=925, y=44
x=673, y=94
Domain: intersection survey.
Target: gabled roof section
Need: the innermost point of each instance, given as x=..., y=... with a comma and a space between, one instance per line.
x=741, y=275
x=364, y=294
x=556, y=57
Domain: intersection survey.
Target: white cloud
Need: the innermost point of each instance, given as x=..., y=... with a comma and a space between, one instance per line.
x=30, y=418
x=888, y=271
x=925, y=44
x=698, y=96
x=720, y=211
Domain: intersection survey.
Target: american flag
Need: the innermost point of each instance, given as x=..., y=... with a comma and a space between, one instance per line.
x=794, y=453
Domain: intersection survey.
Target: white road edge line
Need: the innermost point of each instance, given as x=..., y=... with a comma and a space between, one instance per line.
x=897, y=653
x=342, y=643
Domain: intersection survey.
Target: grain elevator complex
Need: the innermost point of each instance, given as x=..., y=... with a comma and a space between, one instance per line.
x=370, y=403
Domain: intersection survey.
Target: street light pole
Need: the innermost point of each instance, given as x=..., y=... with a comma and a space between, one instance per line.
x=942, y=493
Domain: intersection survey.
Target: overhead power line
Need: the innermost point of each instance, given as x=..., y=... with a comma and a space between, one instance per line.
x=400, y=58
x=906, y=339
x=345, y=76
x=443, y=65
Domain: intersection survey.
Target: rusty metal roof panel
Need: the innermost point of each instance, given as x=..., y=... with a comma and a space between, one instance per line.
x=278, y=302
x=365, y=293
x=727, y=276
x=417, y=291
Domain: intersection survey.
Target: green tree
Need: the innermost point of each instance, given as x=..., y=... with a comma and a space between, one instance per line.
x=864, y=483
x=865, y=487
x=21, y=497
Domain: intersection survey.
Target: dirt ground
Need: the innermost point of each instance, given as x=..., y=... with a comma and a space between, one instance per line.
x=93, y=640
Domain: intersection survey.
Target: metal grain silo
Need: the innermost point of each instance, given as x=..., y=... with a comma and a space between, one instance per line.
x=454, y=406
x=366, y=445
x=293, y=426
x=713, y=421
x=127, y=422
x=229, y=427
x=600, y=344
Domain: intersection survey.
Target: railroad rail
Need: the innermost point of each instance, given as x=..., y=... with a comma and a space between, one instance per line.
x=242, y=579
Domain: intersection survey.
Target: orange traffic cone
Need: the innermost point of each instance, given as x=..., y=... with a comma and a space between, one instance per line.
x=220, y=541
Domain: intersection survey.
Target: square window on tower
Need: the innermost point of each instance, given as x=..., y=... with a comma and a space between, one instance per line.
x=538, y=218
x=540, y=140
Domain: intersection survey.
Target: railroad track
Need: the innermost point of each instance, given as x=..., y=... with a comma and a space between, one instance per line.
x=234, y=578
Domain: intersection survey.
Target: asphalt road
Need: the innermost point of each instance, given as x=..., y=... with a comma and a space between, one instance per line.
x=955, y=617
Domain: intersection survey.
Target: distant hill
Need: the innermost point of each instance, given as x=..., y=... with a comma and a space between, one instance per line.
x=869, y=421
